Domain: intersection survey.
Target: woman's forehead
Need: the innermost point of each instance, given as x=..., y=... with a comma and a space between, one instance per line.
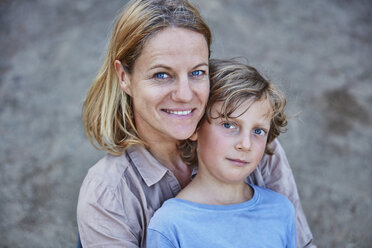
x=174, y=37
x=172, y=46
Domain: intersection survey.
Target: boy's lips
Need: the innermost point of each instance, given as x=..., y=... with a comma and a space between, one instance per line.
x=238, y=161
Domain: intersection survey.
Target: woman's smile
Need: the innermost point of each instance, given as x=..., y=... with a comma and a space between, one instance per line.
x=180, y=113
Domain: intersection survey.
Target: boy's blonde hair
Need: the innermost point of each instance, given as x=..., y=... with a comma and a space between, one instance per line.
x=107, y=110
x=233, y=83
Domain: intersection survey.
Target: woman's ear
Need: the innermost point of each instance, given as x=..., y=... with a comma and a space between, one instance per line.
x=123, y=77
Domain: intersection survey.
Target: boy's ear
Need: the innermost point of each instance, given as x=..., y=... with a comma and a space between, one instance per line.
x=123, y=77
x=194, y=137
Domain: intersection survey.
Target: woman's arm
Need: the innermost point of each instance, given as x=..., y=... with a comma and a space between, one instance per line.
x=103, y=221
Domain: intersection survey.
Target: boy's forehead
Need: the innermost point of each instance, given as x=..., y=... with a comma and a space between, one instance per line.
x=219, y=110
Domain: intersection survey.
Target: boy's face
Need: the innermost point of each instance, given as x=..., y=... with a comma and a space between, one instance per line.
x=229, y=150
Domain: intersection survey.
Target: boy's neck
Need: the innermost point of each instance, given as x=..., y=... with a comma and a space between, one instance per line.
x=210, y=192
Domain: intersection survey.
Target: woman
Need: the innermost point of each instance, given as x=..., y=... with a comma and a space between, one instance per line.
x=149, y=94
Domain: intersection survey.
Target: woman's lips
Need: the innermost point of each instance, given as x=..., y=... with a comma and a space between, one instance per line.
x=181, y=113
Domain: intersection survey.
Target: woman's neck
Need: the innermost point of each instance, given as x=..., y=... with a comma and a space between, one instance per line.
x=168, y=155
x=165, y=152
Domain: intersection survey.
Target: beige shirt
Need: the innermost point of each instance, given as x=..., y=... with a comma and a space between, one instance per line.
x=120, y=194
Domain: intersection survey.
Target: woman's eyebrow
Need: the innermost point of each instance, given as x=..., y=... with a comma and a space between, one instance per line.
x=169, y=68
x=201, y=64
x=160, y=66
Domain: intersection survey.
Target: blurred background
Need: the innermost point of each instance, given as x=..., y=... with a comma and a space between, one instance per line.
x=318, y=51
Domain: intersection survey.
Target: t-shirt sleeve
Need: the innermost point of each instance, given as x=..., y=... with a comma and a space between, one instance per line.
x=277, y=175
x=156, y=239
x=103, y=219
x=292, y=234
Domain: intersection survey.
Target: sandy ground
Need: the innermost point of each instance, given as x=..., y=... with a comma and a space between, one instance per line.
x=318, y=51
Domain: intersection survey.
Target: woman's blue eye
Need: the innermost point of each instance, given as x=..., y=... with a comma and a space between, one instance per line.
x=259, y=131
x=161, y=75
x=197, y=73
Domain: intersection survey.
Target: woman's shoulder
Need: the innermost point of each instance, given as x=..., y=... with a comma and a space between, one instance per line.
x=110, y=184
x=103, y=185
x=115, y=177
x=109, y=170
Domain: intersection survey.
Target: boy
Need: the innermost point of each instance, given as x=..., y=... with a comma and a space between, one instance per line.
x=218, y=208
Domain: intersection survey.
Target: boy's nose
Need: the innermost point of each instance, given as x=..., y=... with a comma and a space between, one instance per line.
x=244, y=144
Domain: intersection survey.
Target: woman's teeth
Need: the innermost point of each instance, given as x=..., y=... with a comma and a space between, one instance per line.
x=186, y=112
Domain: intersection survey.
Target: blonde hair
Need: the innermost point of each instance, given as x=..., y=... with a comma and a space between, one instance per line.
x=232, y=83
x=107, y=110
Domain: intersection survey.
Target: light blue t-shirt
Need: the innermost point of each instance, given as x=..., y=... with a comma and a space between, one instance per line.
x=267, y=220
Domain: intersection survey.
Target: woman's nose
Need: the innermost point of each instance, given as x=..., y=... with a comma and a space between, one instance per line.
x=183, y=91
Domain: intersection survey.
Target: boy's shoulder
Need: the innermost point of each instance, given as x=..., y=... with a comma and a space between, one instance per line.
x=166, y=219
x=272, y=198
x=170, y=209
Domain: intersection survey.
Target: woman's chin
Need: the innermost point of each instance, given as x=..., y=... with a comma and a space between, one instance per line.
x=184, y=134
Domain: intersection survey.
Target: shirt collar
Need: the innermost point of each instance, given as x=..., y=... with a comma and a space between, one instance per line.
x=150, y=169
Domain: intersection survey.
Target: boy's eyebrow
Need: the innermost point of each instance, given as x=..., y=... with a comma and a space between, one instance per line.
x=264, y=124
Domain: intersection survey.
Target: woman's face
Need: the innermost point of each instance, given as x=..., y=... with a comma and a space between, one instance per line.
x=169, y=85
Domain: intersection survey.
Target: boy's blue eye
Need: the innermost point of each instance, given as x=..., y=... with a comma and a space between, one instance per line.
x=259, y=131
x=228, y=125
x=161, y=75
x=197, y=73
